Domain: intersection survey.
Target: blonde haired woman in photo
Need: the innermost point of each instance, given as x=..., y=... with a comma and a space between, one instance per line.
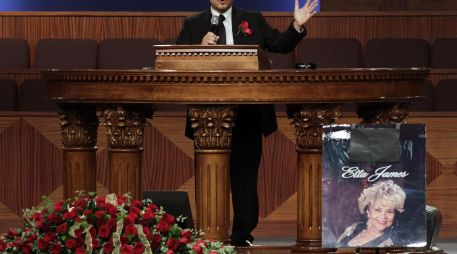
x=380, y=204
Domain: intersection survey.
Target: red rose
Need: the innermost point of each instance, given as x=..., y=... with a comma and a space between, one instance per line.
x=248, y=31
x=244, y=24
x=112, y=210
x=104, y=231
x=100, y=214
x=42, y=244
x=26, y=249
x=186, y=233
x=127, y=249
x=13, y=232
x=93, y=232
x=95, y=243
x=87, y=212
x=155, y=241
x=100, y=200
x=70, y=215
x=108, y=247
x=56, y=249
x=244, y=28
x=136, y=203
x=153, y=207
x=62, y=228
x=58, y=207
x=170, y=252
x=70, y=244
x=197, y=248
x=121, y=199
x=80, y=203
x=170, y=219
x=130, y=230
x=163, y=227
x=31, y=238
x=49, y=236
x=52, y=217
x=80, y=251
x=138, y=248
x=148, y=215
x=184, y=240
x=172, y=244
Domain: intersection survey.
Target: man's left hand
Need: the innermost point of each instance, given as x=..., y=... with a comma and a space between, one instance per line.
x=301, y=15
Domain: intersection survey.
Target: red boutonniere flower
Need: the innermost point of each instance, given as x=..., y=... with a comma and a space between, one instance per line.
x=243, y=28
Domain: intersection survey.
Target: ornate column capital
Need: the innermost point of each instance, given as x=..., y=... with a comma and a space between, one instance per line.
x=212, y=126
x=377, y=113
x=124, y=125
x=308, y=120
x=78, y=126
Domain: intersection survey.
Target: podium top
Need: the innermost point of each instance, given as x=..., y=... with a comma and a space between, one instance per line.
x=217, y=57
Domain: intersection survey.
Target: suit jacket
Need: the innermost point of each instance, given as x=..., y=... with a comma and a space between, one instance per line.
x=195, y=27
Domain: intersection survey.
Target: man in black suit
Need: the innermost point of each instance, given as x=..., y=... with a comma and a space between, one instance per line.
x=240, y=27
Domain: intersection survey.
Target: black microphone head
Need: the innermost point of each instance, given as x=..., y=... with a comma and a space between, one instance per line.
x=214, y=24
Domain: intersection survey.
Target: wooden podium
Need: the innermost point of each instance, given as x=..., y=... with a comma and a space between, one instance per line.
x=122, y=100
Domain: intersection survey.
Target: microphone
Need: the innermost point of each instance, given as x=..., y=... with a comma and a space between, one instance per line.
x=214, y=24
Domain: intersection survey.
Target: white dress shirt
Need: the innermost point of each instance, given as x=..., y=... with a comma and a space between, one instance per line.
x=227, y=23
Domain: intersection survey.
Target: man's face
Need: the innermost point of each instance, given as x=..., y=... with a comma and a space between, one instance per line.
x=221, y=5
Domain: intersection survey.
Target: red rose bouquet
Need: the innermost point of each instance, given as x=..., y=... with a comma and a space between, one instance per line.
x=110, y=224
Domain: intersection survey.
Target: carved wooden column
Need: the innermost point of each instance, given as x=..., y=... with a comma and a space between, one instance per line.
x=79, y=136
x=124, y=131
x=308, y=120
x=212, y=127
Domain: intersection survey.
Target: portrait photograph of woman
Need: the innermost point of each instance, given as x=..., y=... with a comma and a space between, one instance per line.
x=377, y=204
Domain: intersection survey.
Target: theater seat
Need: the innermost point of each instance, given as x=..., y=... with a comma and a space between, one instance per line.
x=425, y=104
x=33, y=96
x=281, y=61
x=445, y=93
x=14, y=54
x=8, y=94
x=66, y=54
x=444, y=53
x=330, y=52
x=397, y=53
x=126, y=53
x=175, y=203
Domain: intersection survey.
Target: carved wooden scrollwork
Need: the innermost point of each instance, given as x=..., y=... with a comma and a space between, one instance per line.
x=308, y=120
x=377, y=113
x=124, y=126
x=212, y=126
x=78, y=128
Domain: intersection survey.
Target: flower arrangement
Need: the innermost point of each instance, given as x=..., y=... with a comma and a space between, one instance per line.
x=243, y=28
x=105, y=224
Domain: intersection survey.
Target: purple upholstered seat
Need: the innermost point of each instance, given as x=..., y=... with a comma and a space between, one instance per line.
x=8, y=94
x=397, y=53
x=425, y=104
x=66, y=54
x=126, y=53
x=445, y=95
x=444, y=53
x=14, y=54
x=330, y=52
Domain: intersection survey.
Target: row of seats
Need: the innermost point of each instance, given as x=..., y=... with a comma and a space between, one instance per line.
x=138, y=53
x=324, y=52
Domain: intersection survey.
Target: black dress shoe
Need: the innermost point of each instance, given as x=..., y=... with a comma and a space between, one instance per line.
x=240, y=243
